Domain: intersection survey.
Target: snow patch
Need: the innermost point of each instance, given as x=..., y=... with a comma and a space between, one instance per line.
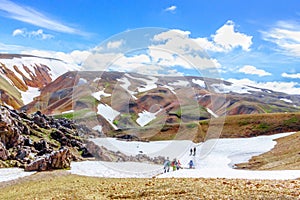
x=145, y=117
x=98, y=128
x=97, y=95
x=152, y=149
x=240, y=89
x=170, y=88
x=68, y=111
x=180, y=83
x=115, y=169
x=126, y=84
x=212, y=113
x=29, y=95
x=286, y=100
x=201, y=83
x=82, y=81
x=150, y=84
x=108, y=113
x=96, y=79
x=8, y=174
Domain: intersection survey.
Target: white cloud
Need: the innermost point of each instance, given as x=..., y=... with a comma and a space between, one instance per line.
x=18, y=32
x=7, y=48
x=226, y=39
x=115, y=44
x=175, y=47
x=75, y=58
x=31, y=16
x=171, y=9
x=285, y=75
x=285, y=87
x=248, y=69
x=169, y=52
x=39, y=34
x=286, y=36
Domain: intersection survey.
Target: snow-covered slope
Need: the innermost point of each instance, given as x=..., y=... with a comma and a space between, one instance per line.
x=29, y=74
x=217, y=161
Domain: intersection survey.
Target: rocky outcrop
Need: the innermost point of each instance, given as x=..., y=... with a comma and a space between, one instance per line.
x=60, y=159
x=38, y=142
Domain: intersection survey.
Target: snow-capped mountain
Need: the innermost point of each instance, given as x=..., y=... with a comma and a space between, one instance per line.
x=23, y=76
x=109, y=101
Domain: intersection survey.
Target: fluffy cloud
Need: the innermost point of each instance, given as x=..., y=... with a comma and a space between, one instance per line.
x=285, y=75
x=39, y=34
x=175, y=47
x=169, y=53
x=171, y=9
x=286, y=87
x=114, y=44
x=248, y=69
x=226, y=39
x=75, y=58
x=286, y=36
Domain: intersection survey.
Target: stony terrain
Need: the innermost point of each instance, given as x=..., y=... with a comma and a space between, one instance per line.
x=37, y=143
x=65, y=186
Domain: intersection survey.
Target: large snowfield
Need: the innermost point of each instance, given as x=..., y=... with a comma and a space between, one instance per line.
x=214, y=159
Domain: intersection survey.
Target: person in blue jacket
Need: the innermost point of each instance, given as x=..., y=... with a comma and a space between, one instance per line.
x=167, y=165
x=191, y=164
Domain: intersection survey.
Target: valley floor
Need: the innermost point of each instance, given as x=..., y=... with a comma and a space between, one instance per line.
x=214, y=176
x=62, y=185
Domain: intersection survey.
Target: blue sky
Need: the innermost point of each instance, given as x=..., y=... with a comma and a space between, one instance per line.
x=251, y=42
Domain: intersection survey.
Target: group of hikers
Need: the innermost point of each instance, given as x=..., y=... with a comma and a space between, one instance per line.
x=176, y=165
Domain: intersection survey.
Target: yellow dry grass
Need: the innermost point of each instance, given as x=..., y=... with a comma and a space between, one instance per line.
x=51, y=186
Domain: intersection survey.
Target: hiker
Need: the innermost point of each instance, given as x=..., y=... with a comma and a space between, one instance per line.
x=191, y=164
x=167, y=165
x=191, y=151
x=178, y=166
x=194, y=151
x=174, y=164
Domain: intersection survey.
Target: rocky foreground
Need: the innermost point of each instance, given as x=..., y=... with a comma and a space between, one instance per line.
x=39, y=143
x=65, y=186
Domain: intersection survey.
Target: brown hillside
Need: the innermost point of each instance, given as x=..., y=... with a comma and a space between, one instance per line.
x=249, y=125
x=285, y=155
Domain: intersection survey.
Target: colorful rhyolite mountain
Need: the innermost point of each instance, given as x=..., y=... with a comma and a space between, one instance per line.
x=110, y=101
x=23, y=76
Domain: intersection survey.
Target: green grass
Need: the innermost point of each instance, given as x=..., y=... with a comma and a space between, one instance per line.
x=74, y=115
x=191, y=125
x=263, y=126
x=291, y=121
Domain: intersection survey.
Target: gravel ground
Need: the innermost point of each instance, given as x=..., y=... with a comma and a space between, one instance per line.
x=62, y=185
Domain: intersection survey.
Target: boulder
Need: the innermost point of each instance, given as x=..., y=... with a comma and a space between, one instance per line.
x=60, y=159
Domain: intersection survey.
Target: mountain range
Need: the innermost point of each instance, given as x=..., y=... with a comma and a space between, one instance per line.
x=110, y=102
